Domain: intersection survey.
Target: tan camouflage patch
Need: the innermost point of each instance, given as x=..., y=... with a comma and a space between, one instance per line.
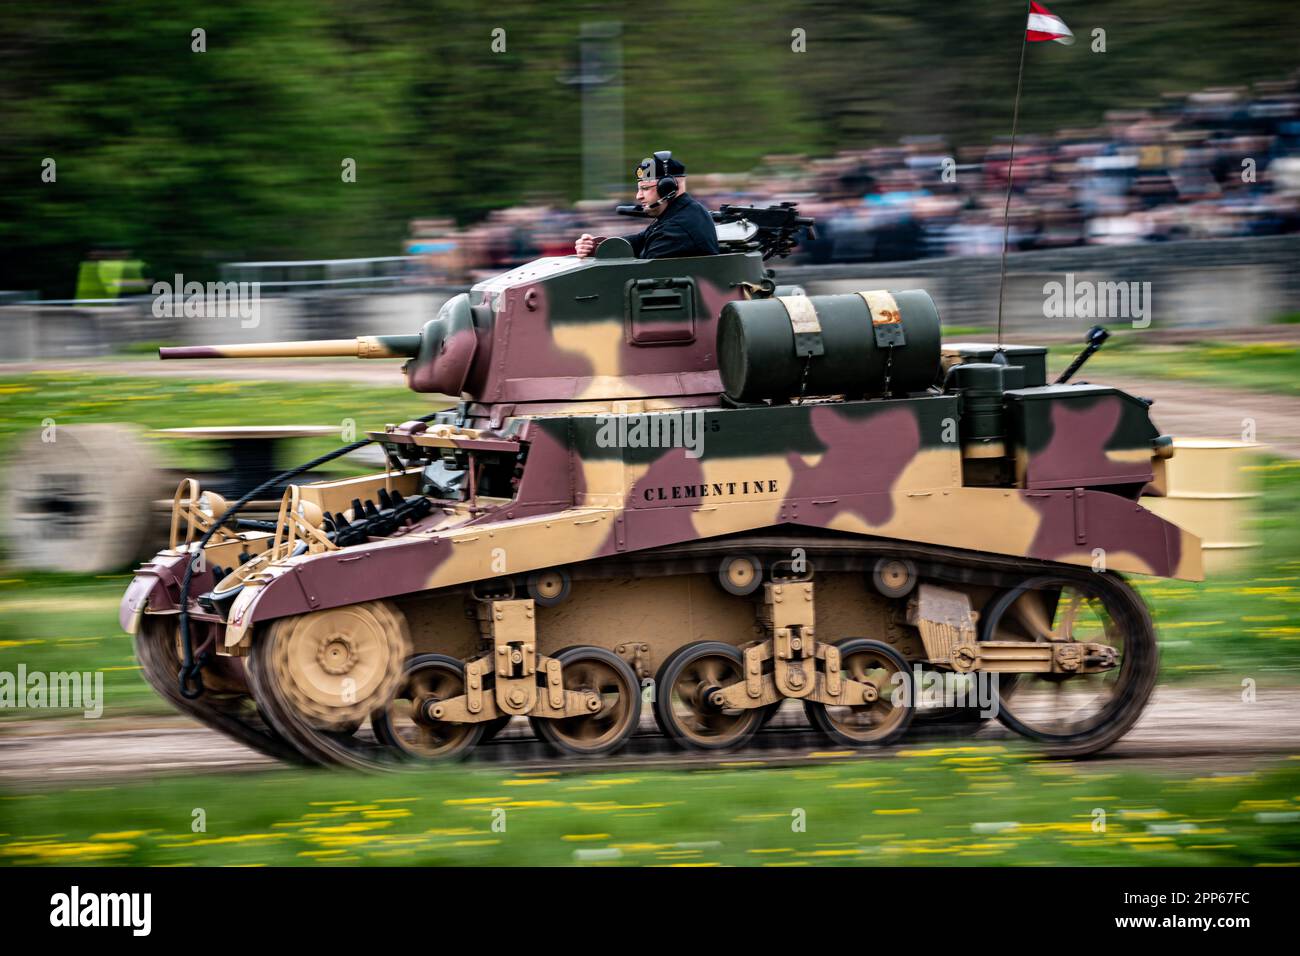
x=605, y=484
x=716, y=514
x=601, y=344
x=510, y=546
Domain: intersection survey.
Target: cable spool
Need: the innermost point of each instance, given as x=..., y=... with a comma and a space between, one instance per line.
x=81, y=498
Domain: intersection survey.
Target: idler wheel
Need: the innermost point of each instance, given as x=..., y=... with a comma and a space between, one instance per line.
x=615, y=693
x=685, y=698
x=406, y=725
x=877, y=722
x=1079, y=713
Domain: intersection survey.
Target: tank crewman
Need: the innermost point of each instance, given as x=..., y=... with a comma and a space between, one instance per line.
x=681, y=227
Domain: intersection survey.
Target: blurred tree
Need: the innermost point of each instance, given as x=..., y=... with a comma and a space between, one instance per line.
x=191, y=158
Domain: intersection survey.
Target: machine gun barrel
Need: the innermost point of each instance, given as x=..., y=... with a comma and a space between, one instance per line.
x=363, y=346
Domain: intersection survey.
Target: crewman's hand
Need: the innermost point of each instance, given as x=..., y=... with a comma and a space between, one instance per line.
x=585, y=245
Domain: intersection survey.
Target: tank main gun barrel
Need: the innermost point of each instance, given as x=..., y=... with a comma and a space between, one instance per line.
x=363, y=346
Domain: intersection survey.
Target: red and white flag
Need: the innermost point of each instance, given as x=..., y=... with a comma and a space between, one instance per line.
x=1046, y=25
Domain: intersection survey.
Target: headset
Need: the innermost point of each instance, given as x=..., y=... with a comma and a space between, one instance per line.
x=666, y=187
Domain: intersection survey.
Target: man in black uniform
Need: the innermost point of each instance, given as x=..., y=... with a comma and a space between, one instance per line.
x=681, y=227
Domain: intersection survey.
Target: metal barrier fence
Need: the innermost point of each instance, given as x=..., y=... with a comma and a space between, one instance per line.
x=1197, y=284
x=331, y=274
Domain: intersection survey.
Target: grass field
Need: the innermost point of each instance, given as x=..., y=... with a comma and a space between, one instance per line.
x=933, y=806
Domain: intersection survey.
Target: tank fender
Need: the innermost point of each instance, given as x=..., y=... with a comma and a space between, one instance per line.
x=280, y=596
x=156, y=586
x=392, y=568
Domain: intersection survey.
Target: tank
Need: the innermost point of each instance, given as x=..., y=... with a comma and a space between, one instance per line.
x=672, y=488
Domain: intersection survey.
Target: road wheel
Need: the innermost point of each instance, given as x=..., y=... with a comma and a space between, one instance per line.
x=405, y=724
x=885, y=719
x=601, y=672
x=684, y=698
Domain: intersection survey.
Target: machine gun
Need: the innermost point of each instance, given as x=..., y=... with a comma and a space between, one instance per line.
x=776, y=228
x=772, y=229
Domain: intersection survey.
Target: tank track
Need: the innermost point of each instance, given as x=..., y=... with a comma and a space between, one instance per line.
x=234, y=714
x=273, y=730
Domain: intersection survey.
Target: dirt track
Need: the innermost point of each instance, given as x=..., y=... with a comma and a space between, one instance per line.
x=1208, y=730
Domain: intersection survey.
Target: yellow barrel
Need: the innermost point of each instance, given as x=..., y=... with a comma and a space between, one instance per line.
x=1211, y=494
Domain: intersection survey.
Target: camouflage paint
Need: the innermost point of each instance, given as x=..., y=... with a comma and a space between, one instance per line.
x=877, y=469
x=1071, y=435
x=547, y=352
x=560, y=330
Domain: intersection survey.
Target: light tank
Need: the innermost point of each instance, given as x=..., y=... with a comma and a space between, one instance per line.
x=670, y=485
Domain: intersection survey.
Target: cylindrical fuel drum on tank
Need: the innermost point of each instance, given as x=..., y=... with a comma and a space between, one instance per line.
x=841, y=343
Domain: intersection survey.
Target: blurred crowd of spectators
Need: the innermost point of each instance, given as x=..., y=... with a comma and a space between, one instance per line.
x=1215, y=164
